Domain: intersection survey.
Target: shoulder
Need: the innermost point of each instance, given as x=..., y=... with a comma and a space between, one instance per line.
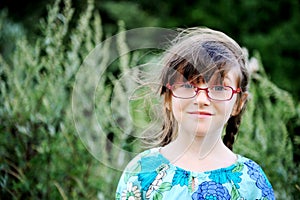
x=140, y=177
x=252, y=168
x=248, y=162
x=147, y=160
x=255, y=178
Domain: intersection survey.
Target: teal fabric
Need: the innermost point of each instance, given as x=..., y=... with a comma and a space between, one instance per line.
x=152, y=176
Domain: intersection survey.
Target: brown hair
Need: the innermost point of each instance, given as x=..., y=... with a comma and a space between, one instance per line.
x=200, y=52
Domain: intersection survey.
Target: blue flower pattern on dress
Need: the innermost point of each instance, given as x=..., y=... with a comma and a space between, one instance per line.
x=256, y=173
x=146, y=179
x=226, y=175
x=159, y=179
x=181, y=177
x=149, y=170
x=147, y=175
x=210, y=190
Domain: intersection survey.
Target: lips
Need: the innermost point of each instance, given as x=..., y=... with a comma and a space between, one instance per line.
x=201, y=113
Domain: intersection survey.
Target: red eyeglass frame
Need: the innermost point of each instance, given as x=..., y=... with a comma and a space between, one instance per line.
x=197, y=89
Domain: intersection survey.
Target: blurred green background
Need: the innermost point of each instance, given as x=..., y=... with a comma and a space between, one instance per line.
x=42, y=45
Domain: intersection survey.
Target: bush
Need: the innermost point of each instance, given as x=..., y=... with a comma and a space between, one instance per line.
x=264, y=135
x=41, y=154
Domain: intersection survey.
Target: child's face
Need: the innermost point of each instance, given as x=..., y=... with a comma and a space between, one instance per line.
x=201, y=116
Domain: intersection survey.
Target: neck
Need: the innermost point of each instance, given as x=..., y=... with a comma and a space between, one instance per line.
x=195, y=146
x=209, y=149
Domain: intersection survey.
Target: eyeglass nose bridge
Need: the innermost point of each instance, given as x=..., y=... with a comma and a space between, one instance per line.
x=197, y=91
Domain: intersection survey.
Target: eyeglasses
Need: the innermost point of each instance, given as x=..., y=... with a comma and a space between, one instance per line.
x=215, y=92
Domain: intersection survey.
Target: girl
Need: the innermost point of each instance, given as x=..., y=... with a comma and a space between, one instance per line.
x=204, y=87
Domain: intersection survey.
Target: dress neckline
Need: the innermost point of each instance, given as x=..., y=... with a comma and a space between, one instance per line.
x=221, y=169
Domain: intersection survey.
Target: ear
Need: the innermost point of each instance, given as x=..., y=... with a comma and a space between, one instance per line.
x=239, y=104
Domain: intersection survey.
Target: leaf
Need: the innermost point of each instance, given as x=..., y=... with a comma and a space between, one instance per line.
x=238, y=168
x=234, y=193
x=166, y=186
x=157, y=196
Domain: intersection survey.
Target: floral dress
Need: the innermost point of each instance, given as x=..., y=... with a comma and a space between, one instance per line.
x=151, y=176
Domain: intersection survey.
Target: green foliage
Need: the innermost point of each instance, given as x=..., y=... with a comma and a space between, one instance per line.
x=41, y=155
x=9, y=33
x=264, y=134
x=120, y=11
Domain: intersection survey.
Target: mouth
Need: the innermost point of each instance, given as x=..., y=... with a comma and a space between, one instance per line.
x=201, y=113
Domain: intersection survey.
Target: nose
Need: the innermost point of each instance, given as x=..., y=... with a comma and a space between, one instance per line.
x=202, y=97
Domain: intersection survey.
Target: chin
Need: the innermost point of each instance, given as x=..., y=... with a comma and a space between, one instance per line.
x=211, y=133
x=200, y=133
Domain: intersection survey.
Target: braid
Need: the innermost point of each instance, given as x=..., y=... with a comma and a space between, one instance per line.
x=234, y=122
x=231, y=130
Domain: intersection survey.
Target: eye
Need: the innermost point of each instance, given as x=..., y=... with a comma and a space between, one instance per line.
x=219, y=88
x=187, y=85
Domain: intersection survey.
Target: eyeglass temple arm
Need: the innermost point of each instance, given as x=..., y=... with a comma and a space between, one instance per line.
x=168, y=86
x=238, y=90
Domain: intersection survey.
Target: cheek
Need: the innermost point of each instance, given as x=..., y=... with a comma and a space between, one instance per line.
x=228, y=109
x=224, y=110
